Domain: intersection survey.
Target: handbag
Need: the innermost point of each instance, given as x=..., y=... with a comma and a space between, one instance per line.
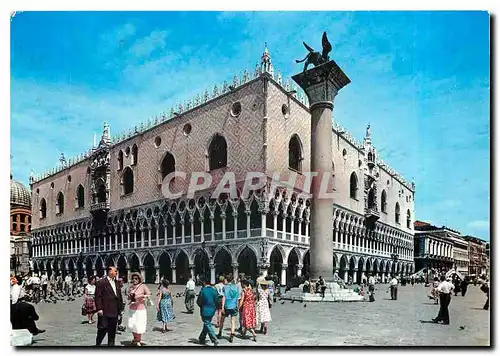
x=84, y=310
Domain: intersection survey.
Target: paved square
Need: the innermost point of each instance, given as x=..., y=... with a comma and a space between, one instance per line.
x=382, y=323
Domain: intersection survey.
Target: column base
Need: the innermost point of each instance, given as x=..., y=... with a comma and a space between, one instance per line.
x=333, y=293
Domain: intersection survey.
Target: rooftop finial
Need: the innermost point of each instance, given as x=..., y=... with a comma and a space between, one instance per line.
x=62, y=160
x=105, y=138
x=265, y=63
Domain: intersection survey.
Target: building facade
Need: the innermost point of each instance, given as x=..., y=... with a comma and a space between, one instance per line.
x=478, y=259
x=107, y=207
x=20, y=228
x=432, y=249
x=440, y=248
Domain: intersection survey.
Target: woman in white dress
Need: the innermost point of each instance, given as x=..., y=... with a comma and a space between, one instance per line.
x=263, y=306
x=89, y=300
x=137, y=294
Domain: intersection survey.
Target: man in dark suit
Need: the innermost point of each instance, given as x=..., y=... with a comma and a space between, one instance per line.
x=23, y=316
x=109, y=304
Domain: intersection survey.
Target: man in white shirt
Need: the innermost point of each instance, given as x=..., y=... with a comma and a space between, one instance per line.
x=190, y=295
x=371, y=288
x=44, y=281
x=15, y=290
x=394, y=288
x=68, y=284
x=444, y=289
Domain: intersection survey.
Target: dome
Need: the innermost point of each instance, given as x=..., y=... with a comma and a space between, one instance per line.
x=19, y=194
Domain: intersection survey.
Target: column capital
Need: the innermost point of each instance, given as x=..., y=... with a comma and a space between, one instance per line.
x=211, y=265
x=284, y=266
x=172, y=266
x=235, y=265
x=322, y=83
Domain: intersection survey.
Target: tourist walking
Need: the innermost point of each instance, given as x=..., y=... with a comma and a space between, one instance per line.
x=208, y=298
x=44, y=281
x=190, y=294
x=463, y=286
x=456, y=284
x=485, y=287
x=164, y=305
x=89, y=300
x=371, y=288
x=108, y=302
x=137, y=295
x=247, y=302
x=240, y=291
x=444, y=289
x=393, y=285
x=230, y=300
x=433, y=294
x=219, y=286
x=263, y=307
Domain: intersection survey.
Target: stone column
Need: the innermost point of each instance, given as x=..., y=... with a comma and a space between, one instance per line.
x=235, y=270
x=212, y=273
x=192, y=271
x=174, y=275
x=202, y=228
x=223, y=217
x=149, y=235
x=143, y=273
x=299, y=270
x=158, y=234
x=212, y=227
x=142, y=236
x=247, y=212
x=355, y=275
x=157, y=276
x=191, y=223
x=283, y=274
x=275, y=224
x=172, y=222
x=183, y=231
x=235, y=222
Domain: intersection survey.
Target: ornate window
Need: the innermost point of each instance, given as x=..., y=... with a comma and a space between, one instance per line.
x=397, y=213
x=167, y=165
x=408, y=219
x=217, y=153
x=43, y=209
x=383, y=202
x=354, y=186
x=60, y=203
x=120, y=160
x=371, y=199
x=295, y=153
x=127, y=181
x=135, y=153
x=80, y=196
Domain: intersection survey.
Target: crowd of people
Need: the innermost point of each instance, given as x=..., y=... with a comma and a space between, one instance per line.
x=245, y=302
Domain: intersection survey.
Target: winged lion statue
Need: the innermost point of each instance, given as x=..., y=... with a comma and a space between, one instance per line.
x=317, y=58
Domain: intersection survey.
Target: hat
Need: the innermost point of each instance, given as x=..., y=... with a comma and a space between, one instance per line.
x=136, y=274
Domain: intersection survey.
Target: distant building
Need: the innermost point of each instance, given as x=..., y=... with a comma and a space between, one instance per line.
x=20, y=228
x=432, y=248
x=440, y=248
x=478, y=259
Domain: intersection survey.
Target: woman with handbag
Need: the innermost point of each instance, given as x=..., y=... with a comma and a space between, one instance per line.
x=88, y=307
x=263, y=306
x=138, y=295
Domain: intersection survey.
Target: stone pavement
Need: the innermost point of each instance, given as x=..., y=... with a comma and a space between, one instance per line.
x=382, y=323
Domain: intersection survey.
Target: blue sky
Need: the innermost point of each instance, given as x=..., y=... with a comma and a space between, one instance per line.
x=421, y=79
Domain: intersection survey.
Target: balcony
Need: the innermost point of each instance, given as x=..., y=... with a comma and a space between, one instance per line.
x=103, y=206
x=372, y=214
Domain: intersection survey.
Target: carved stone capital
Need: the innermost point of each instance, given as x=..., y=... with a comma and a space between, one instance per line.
x=322, y=83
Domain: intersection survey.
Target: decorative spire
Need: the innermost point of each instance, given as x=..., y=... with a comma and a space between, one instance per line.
x=62, y=160
x=265, y=62
x=106, y=137
x=368, y=140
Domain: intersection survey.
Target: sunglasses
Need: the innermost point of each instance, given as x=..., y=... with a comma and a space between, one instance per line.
x=135, y=278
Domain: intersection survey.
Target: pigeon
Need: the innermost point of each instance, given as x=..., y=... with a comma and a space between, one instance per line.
x=292, y=301
x=305, y=305
x=283, y=302
x=462, y=327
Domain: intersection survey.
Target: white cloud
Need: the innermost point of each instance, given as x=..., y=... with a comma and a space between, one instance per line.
x=479, y=224
x=143, y=47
